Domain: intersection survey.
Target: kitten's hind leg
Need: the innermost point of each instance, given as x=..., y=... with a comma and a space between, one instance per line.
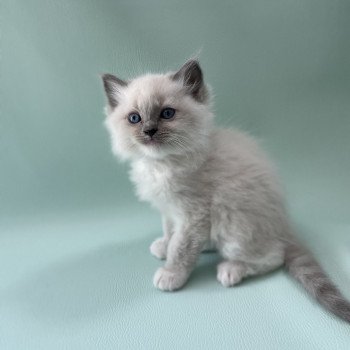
x=230, y=273
x=159, y=247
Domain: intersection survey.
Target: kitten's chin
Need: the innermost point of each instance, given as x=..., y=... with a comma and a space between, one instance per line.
x=153, y=149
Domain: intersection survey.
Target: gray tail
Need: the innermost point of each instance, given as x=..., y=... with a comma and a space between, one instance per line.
x=305, y=269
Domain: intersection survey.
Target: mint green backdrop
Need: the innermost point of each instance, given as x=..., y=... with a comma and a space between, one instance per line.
x=75, y=272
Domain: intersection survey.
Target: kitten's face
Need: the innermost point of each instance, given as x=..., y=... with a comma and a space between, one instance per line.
x=158, y=115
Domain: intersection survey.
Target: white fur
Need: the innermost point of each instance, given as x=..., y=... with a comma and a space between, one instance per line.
x=216, y=188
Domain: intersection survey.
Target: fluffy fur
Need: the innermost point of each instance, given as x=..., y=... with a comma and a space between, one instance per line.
x=213, y=187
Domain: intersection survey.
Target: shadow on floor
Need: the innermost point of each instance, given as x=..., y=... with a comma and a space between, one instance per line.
x=111, y=278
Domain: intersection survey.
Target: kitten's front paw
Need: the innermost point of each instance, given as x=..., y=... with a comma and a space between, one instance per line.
x=158, y=248
x=230, y=273
x=169, y=280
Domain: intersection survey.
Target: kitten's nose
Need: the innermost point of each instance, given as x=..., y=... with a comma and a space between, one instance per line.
x=150, y=132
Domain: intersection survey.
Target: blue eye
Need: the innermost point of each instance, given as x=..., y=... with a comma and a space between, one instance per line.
x=167, y=113
x=134, y=118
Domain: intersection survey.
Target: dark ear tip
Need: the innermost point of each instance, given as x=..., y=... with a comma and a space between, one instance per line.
x=107, y=77
x=193, y=63
x=194, y=60
x=112, y=85
x=112, y=79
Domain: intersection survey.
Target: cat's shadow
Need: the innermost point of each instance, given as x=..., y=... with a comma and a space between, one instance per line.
x=108, y=278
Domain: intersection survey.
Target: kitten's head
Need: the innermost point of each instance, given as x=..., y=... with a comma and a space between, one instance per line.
x=158, y=115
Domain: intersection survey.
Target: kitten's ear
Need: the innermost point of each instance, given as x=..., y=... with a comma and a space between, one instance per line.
x=192, y=77
x=112, y=86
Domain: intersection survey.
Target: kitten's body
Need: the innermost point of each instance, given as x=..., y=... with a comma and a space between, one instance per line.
x=233, y=186
x=214, y=187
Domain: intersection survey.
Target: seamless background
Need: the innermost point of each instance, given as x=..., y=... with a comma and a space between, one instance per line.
x=75, y=270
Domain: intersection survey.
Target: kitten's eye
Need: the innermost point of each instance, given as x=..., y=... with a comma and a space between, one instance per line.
x=134, y=118
x=167, y=113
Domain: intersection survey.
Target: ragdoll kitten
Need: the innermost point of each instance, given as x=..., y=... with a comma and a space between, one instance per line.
x=213, y=187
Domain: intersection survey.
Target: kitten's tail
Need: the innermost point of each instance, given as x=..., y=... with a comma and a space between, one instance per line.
x=305, y=269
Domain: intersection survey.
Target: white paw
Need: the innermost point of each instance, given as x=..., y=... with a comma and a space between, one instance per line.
x=230, y=273
x=158, y=248
x=169, y=280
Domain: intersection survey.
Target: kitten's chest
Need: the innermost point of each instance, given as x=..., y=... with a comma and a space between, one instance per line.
x=155, y=184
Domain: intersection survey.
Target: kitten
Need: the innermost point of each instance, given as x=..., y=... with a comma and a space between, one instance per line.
x=213, y=187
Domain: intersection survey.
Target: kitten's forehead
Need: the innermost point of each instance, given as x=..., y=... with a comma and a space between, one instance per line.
x=148, y=91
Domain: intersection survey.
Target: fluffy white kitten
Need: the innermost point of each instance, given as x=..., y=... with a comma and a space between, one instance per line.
x=213, y=187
